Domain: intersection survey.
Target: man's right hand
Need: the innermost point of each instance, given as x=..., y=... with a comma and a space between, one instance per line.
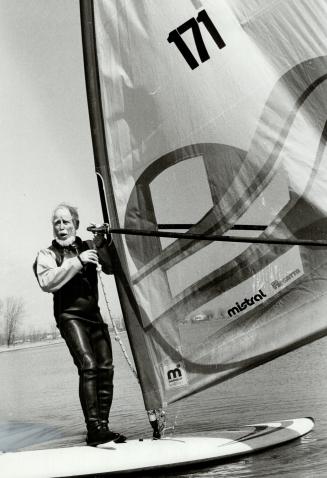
x=89, y=256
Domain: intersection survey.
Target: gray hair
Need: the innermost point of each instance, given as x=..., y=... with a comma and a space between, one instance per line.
x=73, y=212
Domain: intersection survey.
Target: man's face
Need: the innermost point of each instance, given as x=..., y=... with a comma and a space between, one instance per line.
x=63, y=226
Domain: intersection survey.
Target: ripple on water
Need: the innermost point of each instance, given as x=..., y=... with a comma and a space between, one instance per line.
x=40, y=407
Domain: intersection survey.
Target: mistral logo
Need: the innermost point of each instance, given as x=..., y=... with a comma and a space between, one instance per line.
x=247, y=302
x=175, y=375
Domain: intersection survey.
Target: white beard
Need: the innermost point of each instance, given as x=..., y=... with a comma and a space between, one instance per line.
x=66, y=242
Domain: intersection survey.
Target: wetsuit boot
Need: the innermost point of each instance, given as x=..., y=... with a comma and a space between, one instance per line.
x=105, y=395
x=97, y=432
x=89, y=401
x=97, y=435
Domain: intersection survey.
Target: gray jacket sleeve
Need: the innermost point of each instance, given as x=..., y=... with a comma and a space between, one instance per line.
x=50, y=276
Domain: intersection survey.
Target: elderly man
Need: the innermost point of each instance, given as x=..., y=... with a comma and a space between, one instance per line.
x=68, y=269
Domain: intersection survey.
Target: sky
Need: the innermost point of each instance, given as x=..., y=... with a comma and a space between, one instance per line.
x=45, y=143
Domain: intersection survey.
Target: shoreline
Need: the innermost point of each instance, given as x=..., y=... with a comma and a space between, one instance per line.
x=43, y=343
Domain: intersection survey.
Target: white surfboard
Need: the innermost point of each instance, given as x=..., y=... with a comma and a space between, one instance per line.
x=148, y=454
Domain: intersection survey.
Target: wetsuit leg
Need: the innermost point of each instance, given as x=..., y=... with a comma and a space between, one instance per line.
x=78, y=338
x=103, y=352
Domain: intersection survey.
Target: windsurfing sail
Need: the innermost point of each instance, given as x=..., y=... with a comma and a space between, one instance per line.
x=209, y=117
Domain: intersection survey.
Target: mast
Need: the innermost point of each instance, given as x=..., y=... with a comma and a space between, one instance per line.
x=94, y=104
x=149, y=383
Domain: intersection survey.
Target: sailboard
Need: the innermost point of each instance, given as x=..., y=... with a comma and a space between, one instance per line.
x=208, y=122
x=149, y=454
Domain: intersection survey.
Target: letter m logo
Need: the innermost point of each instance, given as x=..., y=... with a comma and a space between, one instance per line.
x=175, y=375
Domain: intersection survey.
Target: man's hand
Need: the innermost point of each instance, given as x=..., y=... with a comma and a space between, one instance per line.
x=99, y=232
x=89, y=256
x=98, y=228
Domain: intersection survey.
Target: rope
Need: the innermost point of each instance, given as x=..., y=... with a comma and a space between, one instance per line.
x=157, y=418
x=117, y=336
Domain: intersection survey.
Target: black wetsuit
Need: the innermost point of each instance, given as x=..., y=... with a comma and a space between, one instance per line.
x=80, y=323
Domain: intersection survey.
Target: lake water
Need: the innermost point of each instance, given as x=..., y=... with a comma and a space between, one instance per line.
x=39, y=407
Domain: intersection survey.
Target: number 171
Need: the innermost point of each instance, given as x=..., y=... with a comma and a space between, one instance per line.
x=193, y=23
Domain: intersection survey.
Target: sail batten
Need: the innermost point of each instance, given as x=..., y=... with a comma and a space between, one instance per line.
x=209, y=119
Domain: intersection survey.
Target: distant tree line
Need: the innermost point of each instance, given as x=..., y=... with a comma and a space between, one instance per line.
x=206, y=315
x=12, y=310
